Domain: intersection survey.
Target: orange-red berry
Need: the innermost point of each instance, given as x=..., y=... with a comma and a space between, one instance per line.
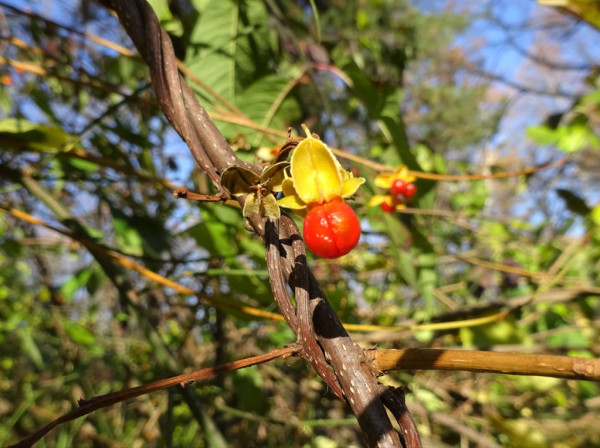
x=387, y=207
x=403, y=190
x=398, y=187
x=410, y=190
x=331, y=229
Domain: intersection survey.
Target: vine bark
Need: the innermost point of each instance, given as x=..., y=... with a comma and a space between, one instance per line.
x=320, y=333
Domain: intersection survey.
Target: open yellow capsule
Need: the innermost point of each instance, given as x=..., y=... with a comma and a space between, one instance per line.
x=316, y=176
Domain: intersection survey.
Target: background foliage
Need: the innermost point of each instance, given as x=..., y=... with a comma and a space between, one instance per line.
x=440, y=88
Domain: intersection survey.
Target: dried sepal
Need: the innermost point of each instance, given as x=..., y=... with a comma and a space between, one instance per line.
x=238, y=181
x=251, y=206
x=260, y=200
x=273, y=176
x=269, y=208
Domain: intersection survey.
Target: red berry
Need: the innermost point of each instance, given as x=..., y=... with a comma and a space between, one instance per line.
x=331, y=229
x=387, y=207
x=398, y=187
x=410, y=190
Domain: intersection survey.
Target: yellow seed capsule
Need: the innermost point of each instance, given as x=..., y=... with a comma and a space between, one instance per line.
x=316, y=175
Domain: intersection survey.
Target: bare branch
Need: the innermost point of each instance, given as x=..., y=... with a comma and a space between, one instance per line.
x=554, y=366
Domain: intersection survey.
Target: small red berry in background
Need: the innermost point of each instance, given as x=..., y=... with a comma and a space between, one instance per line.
x=402, y=191
x=331, y=229
x=6, y=80
x=398, y=187
x=410, y=190
x=387, y=207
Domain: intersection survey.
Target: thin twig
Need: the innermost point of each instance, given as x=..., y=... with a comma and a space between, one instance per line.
x=93, y=404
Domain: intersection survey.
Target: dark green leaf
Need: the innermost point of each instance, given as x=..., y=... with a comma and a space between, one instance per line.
x=574, y=203
x=20, y=133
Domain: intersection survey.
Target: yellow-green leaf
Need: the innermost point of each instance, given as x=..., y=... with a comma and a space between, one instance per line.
x=595, y=214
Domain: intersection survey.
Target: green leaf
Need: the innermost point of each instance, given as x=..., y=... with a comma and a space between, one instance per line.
x=83, y=165
x=569, y=338
x=5, y=100
x=427, y=278
x=216, y=237
x=75, y=283
x=595, y=215
x=127, y=236
x=248, y=384
x=30, y=347
x=229, y=45
x=268, y=103
x=577, y=136
x=574, y=203
x=166, y=19
x=542, y=135
x=495, y=333
x=20, y=133
x=79, y=334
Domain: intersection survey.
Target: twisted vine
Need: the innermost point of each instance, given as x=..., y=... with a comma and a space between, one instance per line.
x=321, y=335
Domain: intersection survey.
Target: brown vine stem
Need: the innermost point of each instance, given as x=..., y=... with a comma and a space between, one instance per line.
x=213, y=155
x=93, y=404
x=555, y=366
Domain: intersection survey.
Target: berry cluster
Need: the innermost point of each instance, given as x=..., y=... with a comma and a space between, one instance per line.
x=401, y=192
